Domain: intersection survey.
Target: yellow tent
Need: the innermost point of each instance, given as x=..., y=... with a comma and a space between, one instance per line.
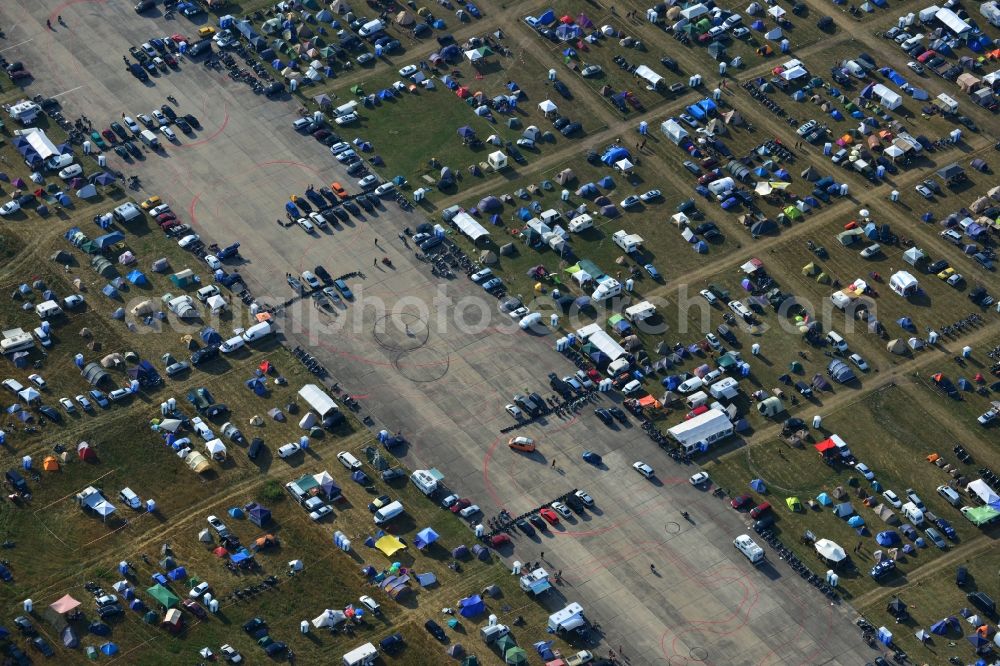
x=50, y=464
x=389, y=545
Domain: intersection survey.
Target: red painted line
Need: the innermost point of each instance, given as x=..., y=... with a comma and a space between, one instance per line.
x=214, y=135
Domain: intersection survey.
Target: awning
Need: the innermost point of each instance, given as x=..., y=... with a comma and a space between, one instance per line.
x=829, y=550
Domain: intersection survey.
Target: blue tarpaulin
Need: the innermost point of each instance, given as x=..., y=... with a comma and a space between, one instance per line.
x=425, y=537
x=614, y=154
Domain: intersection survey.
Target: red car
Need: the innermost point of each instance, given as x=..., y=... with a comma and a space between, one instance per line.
x=549, y=515
x=760, y=510
x=460, y=504
x=170, y=60
x=741, y=503
x=499, y=540
x=178, y=38
x=164, y=217
x=110, y=136
x=195, y=609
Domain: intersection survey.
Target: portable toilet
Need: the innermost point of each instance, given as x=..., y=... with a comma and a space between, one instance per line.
x=102, y=160
x=554, y=320
x=722, y=70
x=304, y=626
x=150, y=506
x=894, y=195
x=629, y=284
x=966, y=353
x=552, y=75
x=827, y=148
x=817, y=421
x=755, y=349
x=28, y=605
x=955, y=135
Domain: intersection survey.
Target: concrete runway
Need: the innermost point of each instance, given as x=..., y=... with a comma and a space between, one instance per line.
x=443, y=385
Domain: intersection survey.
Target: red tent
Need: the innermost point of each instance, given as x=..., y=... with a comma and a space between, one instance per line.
x=85, y=452
x=462, y=92
x=566, y=20
x=825, y=446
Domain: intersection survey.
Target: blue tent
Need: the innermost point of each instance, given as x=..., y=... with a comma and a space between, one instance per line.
x=110, y=291
x=964, y=384
x=471, y=606
x=758, y=486
x=359, y=477
x=210, y=336
x=241, y=556
x=257, y=385
x=856, y=521
x=588, y=190
x=466, y=132
x=180, y=573
x=701, y=247
x=671, y=382
x=941, y=626
x=696, y=111
x=607, y=183
x=107, y=240
x=109, y=649
x=425, y=537
x=824, y=499
x=547, y=17
x=235, y=512
x=614, y=154
x=836, y=114
x=708, y=106
x=136, y=277
x=905, y=323
x=544, y=649
x=887, y=538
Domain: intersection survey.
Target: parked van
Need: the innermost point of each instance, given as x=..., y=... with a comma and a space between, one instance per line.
x=749, y=548
x=348, y=461
x=256, y=446
x=837, y=341
x=13, y=386
x=127, y=212
x=58, y=162
x=950, y=495
x=913, y=514
x=257, y=331
x=493, y=632
x=130, y=498
x=388, y=512
x=149, y=139
x=697, y=399
x=361, y=656
x=232, y=344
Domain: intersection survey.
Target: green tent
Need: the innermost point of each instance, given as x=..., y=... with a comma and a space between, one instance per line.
x=311, y=4
x=357, y=90
x=471, y=660
x=809, y=269
x=726, y=361
x=505, y=643
x=793, y=213
x=704, y=25
x=980, y=515
x=823, y=278
x=614, y=319
x=794, y=504
x=165, y=597
x=326, y=51
x=795, y=367
x=150, y=617
x=516, y=655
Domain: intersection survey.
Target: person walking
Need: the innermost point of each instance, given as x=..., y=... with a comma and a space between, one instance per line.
x=553, y=463
x=375, y=262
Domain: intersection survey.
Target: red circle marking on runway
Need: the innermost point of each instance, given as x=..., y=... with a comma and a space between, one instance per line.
x=212, y=136
x=54, y=15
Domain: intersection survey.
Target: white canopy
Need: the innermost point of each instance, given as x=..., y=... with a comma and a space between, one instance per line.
x=547, y=106
x=469, y=226
x=793, y=73
x=216, y=448
x=217, y=302
x=829, y=550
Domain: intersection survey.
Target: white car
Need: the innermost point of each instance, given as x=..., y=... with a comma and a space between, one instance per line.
x=72, y=171
x=68, y=405
x=584, y=497
x=218, y=525
x=370, y=604
x=892, y=499
x=740, y=309
x=643, y=469
x=708, y=296
x=321, y=512
x=649, y=196
x=131, y=124
x=860, y=362
x=955, y=280
x=310, y=279
x=198, y=590
x=915, y=66
x=514, y=411
x=148, y=49
x=561, y=509
x=288, y=450
x=169, y=133
x=479, y=276
x=339, y=148
x=318, y=219
x=306, y=224
x=213, y=262
x=924, y=192
x=160, y=118
x=384, y=189
x=346, y=119
x=691, y=385
x=10, y=208
x=145, y=120
x=519, y=313
x=368, y=181
x=713, y=341
x=469, y=511
x=190, y=239
x=37, y=380
x=590, y=70
x=159, y=210
x=864, y=471
x=699, y=478
x=408, y=71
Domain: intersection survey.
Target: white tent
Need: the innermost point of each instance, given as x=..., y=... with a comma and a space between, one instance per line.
x=170, y=425
x=624, y=165
x=774, y=35
x=903, y=283
x=673, y=130
x=469, y=226
x=318, y=400
x=473, y=55
x=29, y=394
x=830, y=551
x=704, y=429
x=217, y=303
x=776, y=11
x=216, y=449
x=497, y=159
x=329, y=618
x=547, y=107
x=794, y=73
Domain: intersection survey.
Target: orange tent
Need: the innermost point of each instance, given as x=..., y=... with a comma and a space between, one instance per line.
x=50, y=464
x=650, y=401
